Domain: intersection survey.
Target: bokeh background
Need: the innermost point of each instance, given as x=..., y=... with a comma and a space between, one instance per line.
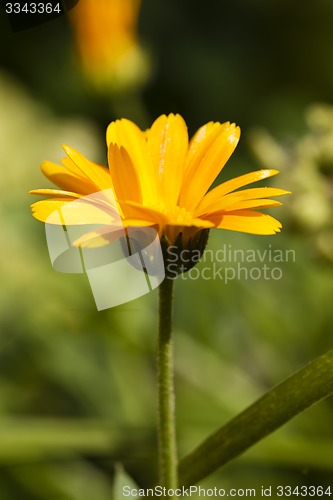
x=77, y=386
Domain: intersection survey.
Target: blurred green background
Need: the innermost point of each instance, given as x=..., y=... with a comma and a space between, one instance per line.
x=77, y=386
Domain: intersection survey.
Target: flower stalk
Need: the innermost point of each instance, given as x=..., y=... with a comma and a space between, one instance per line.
x=167, y=447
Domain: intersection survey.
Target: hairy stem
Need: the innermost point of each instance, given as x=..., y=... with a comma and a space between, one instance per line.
x=166, y=397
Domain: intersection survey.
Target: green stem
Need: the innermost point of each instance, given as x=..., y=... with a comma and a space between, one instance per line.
x=166, y=398
x=294, y=395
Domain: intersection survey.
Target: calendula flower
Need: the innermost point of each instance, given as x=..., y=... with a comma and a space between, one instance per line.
x=107, y=43
x=161, y=179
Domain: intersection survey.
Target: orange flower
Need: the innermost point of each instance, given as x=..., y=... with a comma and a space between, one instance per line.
x=106, y=38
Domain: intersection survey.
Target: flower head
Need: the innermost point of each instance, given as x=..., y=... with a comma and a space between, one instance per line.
x=107, y=44
x=161, y=179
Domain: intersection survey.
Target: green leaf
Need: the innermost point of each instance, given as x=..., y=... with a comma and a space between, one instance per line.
x=34, y=438
x=301, y=390
x=122, y=480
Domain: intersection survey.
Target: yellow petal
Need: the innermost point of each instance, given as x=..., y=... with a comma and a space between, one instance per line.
x=167, y=148
x=70, y=211
x=231, y=200
x=100, y=236
x=124, y=176
x=262, y=192
x=107, y=234
x=55, y=192
x=203, y=137
x=65, y=179
x=206, y=161
x=41, y=210
x=97, y=175
x=104, y=199
x=136, y=211
x=246, y=221
x=216, y=194
x=259, y=203
x=126, y=134
x=195, y=222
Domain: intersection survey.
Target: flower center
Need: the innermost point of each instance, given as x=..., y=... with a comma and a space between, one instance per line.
x=178, y=214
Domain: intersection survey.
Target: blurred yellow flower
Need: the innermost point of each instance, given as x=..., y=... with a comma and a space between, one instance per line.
x=160, y=179
x=107, y=44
